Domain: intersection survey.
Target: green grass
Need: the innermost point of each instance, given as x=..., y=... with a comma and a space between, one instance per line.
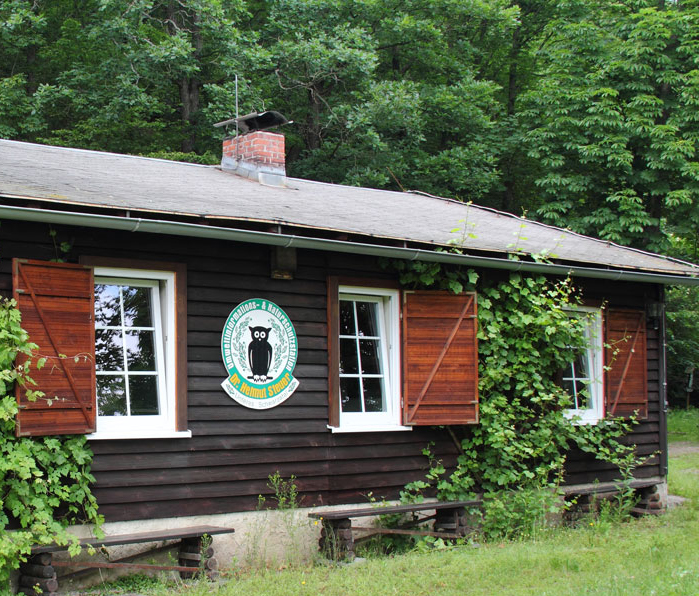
x=646, y=556
x=683, y=425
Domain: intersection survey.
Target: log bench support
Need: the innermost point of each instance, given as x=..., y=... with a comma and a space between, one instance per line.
x=588, y=496
x=38, y=575
x=337, y=535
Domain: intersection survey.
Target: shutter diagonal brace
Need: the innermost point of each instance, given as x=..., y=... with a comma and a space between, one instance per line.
x=438, y=363
x=627, y=364
x=44, y=322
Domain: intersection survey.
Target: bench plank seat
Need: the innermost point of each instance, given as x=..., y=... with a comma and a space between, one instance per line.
x=389, y=509
x=605, y=487
x=137, y=538
x=38, y=574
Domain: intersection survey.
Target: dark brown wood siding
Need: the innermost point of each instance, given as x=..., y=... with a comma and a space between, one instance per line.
x=226, y=464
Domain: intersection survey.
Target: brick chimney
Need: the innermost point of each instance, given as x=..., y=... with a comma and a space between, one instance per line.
x=257, y=155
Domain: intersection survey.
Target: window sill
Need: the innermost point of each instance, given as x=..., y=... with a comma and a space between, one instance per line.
x=166, y=434
x=579, y=420
x=368, y=429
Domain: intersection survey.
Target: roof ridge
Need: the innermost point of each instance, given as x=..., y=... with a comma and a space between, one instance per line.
x=109, y=153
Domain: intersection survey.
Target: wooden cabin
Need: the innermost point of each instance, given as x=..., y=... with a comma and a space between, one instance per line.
x=163, y=263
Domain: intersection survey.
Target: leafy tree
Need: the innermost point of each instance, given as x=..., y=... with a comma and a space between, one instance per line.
x=386, y=94
x=131, y=77
x=682, y=341
x=614, y=121
x=21, y=31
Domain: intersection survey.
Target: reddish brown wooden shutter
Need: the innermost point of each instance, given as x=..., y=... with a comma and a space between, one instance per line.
x=625, y=359
x=440, y=358
x=57, y=304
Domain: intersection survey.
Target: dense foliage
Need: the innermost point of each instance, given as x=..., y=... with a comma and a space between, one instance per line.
x=44, y=482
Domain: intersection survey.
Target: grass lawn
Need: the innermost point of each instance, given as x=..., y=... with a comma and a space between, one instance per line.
x=683, y=425
x=646, y=556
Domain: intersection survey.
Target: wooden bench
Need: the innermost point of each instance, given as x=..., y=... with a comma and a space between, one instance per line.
x=38, y=574
x=337, y=536
x=649, y=502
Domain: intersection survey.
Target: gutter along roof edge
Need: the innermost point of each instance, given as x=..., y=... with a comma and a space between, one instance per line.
x=534, y=222
x=155, y=226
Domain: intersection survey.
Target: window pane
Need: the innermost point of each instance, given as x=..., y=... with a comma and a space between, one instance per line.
x=581, y=366
x=347, y=318
x=348, y=357
x=584, y=399
x=111, y=395
x=109, y=355
x=569, y=388
x=143, y=391
x=576, y=382
x=349, y=395
x=366, y=319
x=140, y=352
x=107, y=309
x=369, y=354
x=137, y=307
x=373, y=395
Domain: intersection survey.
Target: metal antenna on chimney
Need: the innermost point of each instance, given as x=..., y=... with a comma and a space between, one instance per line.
x=236, y=118
x=252, y=122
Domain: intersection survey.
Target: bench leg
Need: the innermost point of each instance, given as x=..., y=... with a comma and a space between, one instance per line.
x=336, y=540
x=37, y=576
x=199, y=556
x=649, y=502
x=452, y=521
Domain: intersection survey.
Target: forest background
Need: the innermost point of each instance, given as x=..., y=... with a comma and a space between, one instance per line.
x=578, y=113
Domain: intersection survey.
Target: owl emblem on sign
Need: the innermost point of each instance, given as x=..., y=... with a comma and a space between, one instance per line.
x=259, y=353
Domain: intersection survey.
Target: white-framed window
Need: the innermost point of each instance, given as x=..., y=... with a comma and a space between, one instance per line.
x=369, y=360
x=135, y=353
x=583, y=378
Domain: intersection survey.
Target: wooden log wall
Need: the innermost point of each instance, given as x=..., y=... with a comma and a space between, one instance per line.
x=233, y=450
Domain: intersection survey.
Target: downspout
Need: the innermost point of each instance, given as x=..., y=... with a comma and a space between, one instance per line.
x=662, y=386
x=153, y=226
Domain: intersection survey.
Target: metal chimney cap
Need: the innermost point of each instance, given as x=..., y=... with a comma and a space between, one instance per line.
x=253, y=122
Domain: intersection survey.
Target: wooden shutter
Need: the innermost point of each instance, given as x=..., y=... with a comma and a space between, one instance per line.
x=57, y=304
x=440, y=358
x=625, y=359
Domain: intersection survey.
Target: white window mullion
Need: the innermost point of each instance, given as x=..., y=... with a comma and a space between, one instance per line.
x=159, y=348
x=384, y=362
x=127, y=392
x=360, y=373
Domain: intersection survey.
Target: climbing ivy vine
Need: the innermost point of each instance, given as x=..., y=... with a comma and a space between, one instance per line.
x=526, y=336
x=44, y=481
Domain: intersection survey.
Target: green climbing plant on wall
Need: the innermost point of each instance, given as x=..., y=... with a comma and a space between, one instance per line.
x=526, y=337
x=44, y=481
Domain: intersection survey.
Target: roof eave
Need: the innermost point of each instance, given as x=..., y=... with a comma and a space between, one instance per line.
x=156, y=226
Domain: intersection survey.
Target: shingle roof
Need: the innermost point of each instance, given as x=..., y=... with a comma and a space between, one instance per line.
x=96, y=179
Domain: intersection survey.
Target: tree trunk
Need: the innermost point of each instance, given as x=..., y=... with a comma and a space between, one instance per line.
x=313, y=134
x=190, y=87
x=509, y=198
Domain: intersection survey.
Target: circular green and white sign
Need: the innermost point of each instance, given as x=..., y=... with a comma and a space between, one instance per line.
x=259, y=350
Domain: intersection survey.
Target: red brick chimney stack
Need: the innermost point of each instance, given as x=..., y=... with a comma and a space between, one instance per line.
x=258, y=155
